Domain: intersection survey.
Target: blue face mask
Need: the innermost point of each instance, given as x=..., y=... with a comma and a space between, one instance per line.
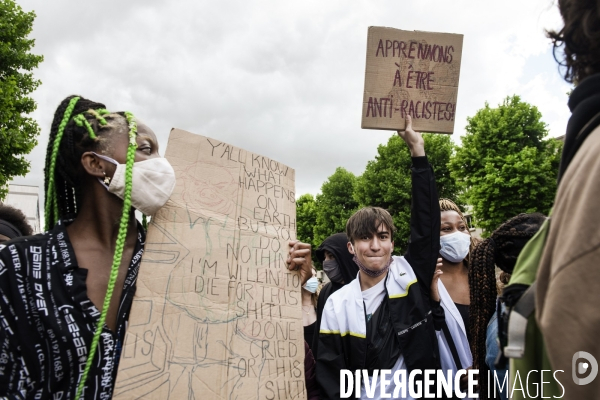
x=312, y=284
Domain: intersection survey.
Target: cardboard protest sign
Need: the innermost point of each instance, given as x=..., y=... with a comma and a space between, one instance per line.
x=217, y=314
x=411, y=72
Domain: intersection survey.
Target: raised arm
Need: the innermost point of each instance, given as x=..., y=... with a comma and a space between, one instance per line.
x=424, y=241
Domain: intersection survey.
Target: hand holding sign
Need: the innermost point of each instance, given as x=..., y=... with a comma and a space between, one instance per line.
x=299, y=259
x=413, y=139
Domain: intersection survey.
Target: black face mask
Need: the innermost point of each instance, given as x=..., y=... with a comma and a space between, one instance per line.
x=332, y=269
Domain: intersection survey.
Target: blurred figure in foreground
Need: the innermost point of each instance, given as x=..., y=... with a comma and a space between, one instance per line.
x=567, y=290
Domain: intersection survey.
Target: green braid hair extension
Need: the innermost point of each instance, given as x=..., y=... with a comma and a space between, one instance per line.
x=144, y=222
x=81, y=121
x=98, y=115
x=51, y=206
x=131, y=148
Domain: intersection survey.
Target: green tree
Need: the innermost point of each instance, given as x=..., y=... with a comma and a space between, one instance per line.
x=505, y=164
x=386, y=181
x=17, y=131
x=335, y=204
x=306, y=218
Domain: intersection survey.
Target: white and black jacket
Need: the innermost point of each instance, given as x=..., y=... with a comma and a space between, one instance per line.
x=343, y=339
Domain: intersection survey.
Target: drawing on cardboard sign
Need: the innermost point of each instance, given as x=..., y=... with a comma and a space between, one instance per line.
x=217, y=314
x=411, y=72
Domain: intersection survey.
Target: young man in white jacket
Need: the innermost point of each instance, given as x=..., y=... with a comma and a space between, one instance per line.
x=382, y=320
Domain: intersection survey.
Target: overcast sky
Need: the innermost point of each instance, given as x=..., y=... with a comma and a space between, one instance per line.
x=280, y=78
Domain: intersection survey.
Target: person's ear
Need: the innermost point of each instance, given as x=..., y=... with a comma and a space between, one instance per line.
x=350, y=248
x=95, y=166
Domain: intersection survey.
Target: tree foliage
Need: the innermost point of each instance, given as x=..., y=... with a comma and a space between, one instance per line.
x=17, y=131
x=505, y=164
x=334, y=205
x=306, y=218
x=386, y=181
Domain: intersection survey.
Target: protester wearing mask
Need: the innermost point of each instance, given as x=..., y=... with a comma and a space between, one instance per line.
x=340, y=269
x=79, y=277
x=309, y=306
x=450, y=289
x=13, y=223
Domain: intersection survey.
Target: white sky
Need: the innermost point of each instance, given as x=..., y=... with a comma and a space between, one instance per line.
x=280, y=78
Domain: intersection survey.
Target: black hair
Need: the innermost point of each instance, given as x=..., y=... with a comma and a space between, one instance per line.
x=579, y=38
x=501, y=249
x=78, y=126
x=15, y=217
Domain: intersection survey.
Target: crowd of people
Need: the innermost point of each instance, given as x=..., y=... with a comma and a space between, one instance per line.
x=446, y=304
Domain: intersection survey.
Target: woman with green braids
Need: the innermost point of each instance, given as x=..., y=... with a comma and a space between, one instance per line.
x=65, y=295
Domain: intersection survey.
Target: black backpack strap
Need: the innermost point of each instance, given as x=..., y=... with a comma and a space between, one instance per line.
x=452, y=346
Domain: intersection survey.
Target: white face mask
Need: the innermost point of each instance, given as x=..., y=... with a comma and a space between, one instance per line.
x=455, y=247
x=153, y=182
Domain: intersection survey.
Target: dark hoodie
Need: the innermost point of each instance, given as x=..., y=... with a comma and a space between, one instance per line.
x=338, y=246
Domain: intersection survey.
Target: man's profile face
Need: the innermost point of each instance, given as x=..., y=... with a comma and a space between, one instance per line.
x=374, y=252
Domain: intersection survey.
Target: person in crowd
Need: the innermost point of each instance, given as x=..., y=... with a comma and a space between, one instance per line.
x=567, y=288
x=13, y=223
x=299, y=259
x=312, y=388
x=309, y=306
x=382, y=319
x=65, y=295
x=451, y=288
x=500, y=250
x=339, y=267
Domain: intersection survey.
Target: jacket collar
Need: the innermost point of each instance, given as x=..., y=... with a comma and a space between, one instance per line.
x=449, y=305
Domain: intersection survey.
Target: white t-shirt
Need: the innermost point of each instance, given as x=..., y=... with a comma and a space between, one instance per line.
x=375, y=393
x=373, y=297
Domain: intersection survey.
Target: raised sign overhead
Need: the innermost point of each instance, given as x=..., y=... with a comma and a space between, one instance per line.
x=411, y=72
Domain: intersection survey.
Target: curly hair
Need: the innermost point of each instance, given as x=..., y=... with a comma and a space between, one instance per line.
x=15, y=217
x=579, y=38
x=501, y=249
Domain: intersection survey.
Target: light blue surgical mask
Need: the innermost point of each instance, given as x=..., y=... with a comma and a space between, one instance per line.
x=455, y=247
x=312, y=284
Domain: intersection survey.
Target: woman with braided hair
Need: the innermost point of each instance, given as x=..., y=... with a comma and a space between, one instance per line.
x=65, y=295
x=500, y=250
